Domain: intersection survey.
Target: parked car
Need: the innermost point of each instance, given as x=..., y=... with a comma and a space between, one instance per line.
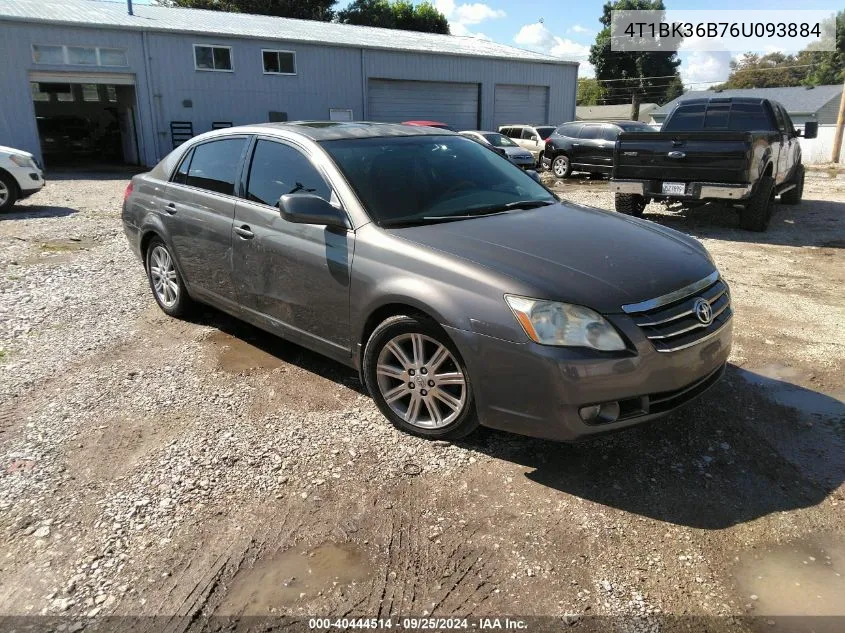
x=741, y=150
x=530, y=137
x=503, y=145
x=66, y=135
x=462, y=290
x=20, y=176
x=437, y=124
x=586, y=146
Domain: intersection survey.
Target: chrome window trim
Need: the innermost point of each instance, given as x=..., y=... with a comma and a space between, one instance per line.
x=686, y=291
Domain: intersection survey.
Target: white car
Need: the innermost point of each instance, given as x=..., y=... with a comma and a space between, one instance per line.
x=20, y=176
x=530, y=137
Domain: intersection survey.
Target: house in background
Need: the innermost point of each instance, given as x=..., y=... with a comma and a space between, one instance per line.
x=620, y=112
x=819, y=103
x=80, y=75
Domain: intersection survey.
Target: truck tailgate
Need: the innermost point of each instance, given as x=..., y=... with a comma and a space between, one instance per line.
x=683, y=156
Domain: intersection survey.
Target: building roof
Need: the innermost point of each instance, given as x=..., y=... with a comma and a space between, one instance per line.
x=796, y=100
x=101, y=14
x=611, y=112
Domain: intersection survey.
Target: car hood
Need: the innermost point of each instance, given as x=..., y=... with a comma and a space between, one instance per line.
x=515, y=152
x=13, y=151
x=571, y=253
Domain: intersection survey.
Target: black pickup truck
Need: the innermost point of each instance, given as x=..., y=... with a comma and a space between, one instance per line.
x=743, y=151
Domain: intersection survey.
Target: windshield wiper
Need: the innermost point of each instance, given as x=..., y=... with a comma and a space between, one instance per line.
x=478, y=212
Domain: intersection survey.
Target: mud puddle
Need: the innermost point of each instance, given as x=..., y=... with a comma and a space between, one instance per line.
x=797, y=587
x=291, y=575
x=235, y=355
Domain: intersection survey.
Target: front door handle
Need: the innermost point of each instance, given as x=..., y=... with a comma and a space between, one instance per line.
x=244, y=232
x=171, y=208
x=576, y=144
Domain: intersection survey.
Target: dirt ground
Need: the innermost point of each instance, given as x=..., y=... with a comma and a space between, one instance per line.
x=195, y=470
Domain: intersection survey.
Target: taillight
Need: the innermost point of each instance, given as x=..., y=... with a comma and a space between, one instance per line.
x=128, y=191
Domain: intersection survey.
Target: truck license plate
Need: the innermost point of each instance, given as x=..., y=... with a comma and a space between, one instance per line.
x=674, y=188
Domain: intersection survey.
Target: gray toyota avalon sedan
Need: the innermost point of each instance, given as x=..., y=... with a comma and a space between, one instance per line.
x=462, y=290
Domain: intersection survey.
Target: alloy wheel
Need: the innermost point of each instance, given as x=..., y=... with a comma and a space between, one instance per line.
x=421, y=381
x=4, y=193
x=163, y=275
x=560, y=166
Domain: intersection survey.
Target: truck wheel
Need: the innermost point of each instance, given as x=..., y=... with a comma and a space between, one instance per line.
x=630, y=204
x=793, y=196
x=755, y=216
x=561, y=167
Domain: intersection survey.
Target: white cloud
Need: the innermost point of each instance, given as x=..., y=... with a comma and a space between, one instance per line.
x=579, y=29
x=460, y=16
x=702, y=69
x=539, y=38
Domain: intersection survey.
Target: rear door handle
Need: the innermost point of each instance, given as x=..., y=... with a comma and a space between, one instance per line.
x=576, y=144
x=171, y=208
x=244, y=232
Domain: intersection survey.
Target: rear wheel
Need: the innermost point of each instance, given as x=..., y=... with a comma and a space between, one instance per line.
x=561, y=167
x=8, y=192
x=794, y=195
x=630, y=204
x=165, y=281
x=755, y=215
x=417, y=379
x=540, y=161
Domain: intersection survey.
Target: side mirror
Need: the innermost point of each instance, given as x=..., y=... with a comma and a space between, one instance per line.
x=811, y=129
x=535, y=138
x=533, y=173
x=306, y=208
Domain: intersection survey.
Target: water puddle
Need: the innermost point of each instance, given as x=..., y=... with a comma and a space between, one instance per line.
x=290, y=575
x=235, y=356
x=802, y=578
x=778, y=382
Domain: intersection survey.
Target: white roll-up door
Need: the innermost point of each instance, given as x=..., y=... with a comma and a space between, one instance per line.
x=394, y=101
x=521, y=104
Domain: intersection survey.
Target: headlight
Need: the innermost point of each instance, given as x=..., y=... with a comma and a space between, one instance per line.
x=554, y=323
x=21, y=161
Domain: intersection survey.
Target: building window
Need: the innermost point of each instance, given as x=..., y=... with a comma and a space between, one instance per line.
x=90, y=92
x=279, y=62
x=37, y=93
x=340, y=114
x=111, y=93
x=217, y=58
x=79, y=56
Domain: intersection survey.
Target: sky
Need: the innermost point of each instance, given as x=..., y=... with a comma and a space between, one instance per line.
x=567, y=28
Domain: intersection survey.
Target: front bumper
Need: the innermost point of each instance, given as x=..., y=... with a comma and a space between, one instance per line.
x=537, y=390
x=526, y=162
x=694, y=190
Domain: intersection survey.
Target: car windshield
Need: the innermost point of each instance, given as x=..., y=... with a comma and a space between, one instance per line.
x=636, y=127
x=545, y=131
x=499, y=140
x=426, y=179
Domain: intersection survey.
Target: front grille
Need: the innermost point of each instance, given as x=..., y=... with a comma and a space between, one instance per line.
x=671, y=322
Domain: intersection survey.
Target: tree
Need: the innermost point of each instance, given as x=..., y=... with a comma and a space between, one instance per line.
x=589, y=92
x=828, y=67
x=304, y=9
x=625, y=67
x=395, y=14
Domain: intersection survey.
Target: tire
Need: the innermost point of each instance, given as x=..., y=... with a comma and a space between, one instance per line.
x=793, y=196
x=8, y=192
x=755, y=215
x=399, y=354
x=561, y=167
x=172, y=297
x=630, y=204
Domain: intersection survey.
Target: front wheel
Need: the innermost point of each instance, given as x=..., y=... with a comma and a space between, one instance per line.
x=417, y=379
x=561, y=167
x=8, y=192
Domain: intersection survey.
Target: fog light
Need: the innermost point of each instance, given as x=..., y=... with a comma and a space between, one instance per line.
x=600, y=413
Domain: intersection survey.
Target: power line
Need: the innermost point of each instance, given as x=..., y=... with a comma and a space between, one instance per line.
x=738, y=70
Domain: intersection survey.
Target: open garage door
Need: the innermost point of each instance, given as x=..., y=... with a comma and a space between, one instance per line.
x=393, y=101
x=85, y=118
x=521, y=104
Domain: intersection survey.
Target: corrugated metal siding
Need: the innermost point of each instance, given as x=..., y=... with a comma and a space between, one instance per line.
x=393, y=101
x=828, y=114
x=561, y=80
x=521, y=104
x=155, y=18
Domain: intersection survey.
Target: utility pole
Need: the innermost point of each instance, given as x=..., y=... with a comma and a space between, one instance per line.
x=840, y=125
x=635, y=104
x=129, y=7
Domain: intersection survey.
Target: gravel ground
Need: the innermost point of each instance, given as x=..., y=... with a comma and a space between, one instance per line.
x=192, y=469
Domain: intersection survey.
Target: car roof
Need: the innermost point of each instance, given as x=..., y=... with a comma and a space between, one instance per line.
x=699, y=100
x=332, y=130
x=479, y=132
x=616, y=122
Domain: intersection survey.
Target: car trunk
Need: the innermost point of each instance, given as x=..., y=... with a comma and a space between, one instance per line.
x=721, y=157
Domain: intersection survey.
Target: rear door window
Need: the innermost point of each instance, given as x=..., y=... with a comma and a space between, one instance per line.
x=609, y=132
x=278, y=169
x=528, y=134
x=215, y=165
x=589, y=132
x=569, y=129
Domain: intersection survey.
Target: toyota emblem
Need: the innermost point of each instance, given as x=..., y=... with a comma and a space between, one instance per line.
x=703, y=311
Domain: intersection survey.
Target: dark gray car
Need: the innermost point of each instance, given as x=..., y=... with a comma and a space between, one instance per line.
x=461, y=289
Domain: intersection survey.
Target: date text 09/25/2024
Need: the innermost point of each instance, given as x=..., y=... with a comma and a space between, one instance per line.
x=418, y=624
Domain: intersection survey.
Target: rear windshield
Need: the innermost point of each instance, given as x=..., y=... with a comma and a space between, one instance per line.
x=636, y=127
x=737, y=117
x=545, y=131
